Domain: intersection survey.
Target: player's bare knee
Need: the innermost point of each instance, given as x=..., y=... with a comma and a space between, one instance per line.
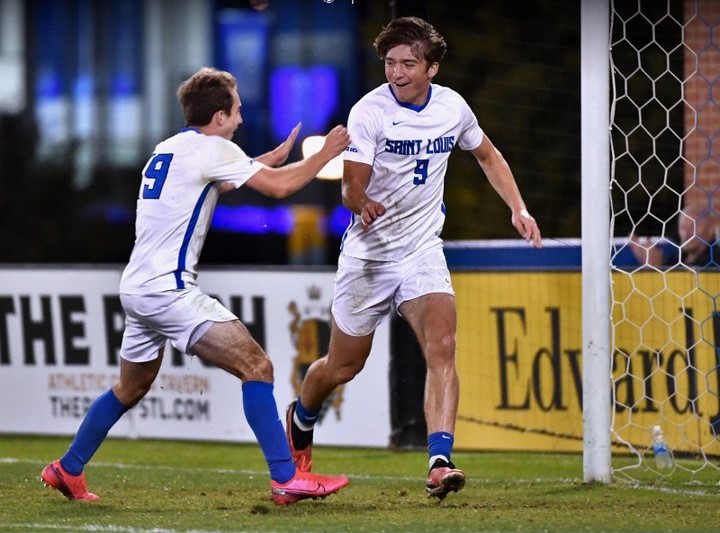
x=258, y=368
x=129, y=394
x=265, y=370
x=441, y=353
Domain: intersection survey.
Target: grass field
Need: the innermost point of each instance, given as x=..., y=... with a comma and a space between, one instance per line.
x=189, y=486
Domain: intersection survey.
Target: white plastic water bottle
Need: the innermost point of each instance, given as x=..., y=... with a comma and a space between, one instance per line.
x=663, y=456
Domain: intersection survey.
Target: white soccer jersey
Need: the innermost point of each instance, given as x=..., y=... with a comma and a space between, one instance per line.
x=177, y=198
x=408, y=148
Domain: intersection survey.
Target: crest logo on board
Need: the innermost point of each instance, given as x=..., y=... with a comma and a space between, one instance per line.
x=310, y=334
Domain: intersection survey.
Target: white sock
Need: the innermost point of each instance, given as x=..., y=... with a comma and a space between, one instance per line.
x=435, y=458
x=299, y=424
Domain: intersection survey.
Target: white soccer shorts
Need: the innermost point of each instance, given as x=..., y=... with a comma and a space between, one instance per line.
x=366, y=291
x=181, y=316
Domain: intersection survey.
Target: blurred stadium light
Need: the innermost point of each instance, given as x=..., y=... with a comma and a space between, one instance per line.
x=334, y=169
x=12, y=49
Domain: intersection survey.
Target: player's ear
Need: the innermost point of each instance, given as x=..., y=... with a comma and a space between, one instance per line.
x=433, y=70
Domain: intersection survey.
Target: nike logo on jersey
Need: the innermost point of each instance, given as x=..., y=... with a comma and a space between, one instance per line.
x=396, y=123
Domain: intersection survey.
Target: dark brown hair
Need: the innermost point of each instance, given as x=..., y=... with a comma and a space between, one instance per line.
x=204, y=93
x=422, y=38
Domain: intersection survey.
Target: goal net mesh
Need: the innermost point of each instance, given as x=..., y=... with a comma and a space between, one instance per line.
x=665, y=209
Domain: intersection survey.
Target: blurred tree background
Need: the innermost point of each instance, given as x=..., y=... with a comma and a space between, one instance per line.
x=516, y=63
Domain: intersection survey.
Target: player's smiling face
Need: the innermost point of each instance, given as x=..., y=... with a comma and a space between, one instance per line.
x=408, y=75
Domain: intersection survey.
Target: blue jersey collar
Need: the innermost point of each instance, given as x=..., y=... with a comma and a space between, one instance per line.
x=413, y=107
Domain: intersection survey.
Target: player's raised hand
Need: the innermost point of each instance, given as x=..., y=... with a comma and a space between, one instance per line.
x=336, y=141
x=283, y=149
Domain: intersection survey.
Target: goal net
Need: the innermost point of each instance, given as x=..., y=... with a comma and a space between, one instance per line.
x=665, y=217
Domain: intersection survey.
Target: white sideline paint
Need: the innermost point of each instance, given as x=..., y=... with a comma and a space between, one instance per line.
x=694, y=491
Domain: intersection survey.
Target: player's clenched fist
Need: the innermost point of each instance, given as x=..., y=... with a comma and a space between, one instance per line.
x=370, y=211
x=336, y=140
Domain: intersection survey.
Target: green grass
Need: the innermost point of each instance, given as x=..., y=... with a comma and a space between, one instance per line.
x=191, y=486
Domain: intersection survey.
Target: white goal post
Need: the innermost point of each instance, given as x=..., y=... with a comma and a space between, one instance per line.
x=595, y=171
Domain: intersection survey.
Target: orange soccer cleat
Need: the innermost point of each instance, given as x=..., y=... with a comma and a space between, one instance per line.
x=301, y=458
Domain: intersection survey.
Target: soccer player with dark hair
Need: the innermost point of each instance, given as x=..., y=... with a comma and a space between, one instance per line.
x=159, y=293
x=402, y=134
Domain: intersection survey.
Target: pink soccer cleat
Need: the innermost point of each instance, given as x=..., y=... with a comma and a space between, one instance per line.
x=72, y=487
x=306, y=485
x=444, y=478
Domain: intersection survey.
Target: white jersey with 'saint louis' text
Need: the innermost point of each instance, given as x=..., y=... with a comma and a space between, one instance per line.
x=177, y=197
x=408, y=148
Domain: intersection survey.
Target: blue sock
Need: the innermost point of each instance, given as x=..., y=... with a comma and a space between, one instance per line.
x=307, y=417
x=102, y=415
x=440, y=444
x=262, y=416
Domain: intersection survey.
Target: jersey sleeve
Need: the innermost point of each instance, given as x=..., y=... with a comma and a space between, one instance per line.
x=471, y=135
x=363, y=125
x=231, y=164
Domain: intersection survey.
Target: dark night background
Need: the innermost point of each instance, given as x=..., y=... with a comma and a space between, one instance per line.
x=516, y=63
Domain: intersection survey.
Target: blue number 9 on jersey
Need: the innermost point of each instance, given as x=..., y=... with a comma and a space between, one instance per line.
x=156, y=171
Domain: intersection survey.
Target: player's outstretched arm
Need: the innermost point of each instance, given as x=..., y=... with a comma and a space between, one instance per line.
x=501, y=178
x=282, y=182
